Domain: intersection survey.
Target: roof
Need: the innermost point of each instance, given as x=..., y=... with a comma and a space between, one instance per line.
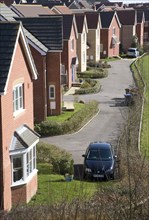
x=140, y=16
x=68, y=22
x=8, y=37
x=80, y=21
x=30, y=10
x=47, y=29
x=127, y=17
x=9, y=15
x=97, y=145
x=24, y=137
x=93, y=19
x=10, y=32
x=106, y=18
x=61, y=9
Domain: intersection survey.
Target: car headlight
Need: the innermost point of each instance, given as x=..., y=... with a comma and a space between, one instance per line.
x=88, y=170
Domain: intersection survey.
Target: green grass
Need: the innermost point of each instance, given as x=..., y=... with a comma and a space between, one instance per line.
x=143, y=65
x=66, y=114
x=54, y=189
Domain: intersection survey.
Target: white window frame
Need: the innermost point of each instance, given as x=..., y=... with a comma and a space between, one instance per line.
x=18, y=98
x=28, y=166
x=51, y=93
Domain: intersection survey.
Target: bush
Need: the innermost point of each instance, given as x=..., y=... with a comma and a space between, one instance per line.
x=51, y=159
x=93, y=88
x=48, y=128
x=45, y=168
x=93, y=73
x=76, y=121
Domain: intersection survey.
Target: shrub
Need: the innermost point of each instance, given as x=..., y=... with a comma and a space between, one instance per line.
x=93, y=73
x=93, y=88
x=73, y=123
x=48, y=128
x=52, y=159
x=45, y=168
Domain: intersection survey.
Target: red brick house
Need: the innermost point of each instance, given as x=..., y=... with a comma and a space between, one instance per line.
x=18, y=173
x=109, y=34
x=69, y=58
x=140, y=27
x=47, y=89
x=128, y=20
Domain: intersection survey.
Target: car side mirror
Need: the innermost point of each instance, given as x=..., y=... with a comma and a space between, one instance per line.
x=83, y=155
x=115, y=157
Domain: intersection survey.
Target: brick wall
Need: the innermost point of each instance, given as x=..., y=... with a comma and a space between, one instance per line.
x=53, y=78
x=39, y=87
x=23, y=194
x=19, y=71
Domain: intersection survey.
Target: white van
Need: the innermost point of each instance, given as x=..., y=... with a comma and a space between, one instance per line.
x=133, y=52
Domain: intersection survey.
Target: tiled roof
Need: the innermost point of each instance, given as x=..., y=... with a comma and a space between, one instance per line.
x=79, y=22
x=127, y=17
x=24, y=137
x=92, y=19
x=9, y=15
x=140, y=16
x=106, y=18
x=62, y=9
x=8, y=35
x=48, y=30
x=67, y=26
x=31, y=10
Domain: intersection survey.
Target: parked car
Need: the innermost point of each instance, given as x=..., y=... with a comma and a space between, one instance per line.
x=99, y=161
x=133, y=52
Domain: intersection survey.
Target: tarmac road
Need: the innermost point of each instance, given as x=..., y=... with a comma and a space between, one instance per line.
x=108, y=123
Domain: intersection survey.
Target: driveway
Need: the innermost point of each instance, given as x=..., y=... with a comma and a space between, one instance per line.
x=108, y=123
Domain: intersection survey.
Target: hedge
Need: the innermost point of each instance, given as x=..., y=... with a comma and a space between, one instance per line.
x=89, y=90
x=51, y=159
x=75, y=122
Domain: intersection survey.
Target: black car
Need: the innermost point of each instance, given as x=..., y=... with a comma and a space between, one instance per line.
x=99, y=161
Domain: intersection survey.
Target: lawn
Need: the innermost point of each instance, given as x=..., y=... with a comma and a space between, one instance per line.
x=143, y=65
x=66, y=114
x=54, y=189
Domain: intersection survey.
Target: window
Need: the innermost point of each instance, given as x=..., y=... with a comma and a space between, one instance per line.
x=31, y=161
x=17, y=168
x=114, y=31
x=23, y=165
x=72, y=44
x=51, y=92
x=18, y=98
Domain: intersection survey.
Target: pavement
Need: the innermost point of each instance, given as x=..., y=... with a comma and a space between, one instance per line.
x=108, y=124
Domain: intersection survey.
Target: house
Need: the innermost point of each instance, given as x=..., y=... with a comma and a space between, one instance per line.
x=82, y=41
x=61, y=9
x=18, y=173
x=128, y=20
x=109, y=34
x=93, y=36
x=140, y=27
x=48, y=30
x=69, y=59
x=146, y=26
x=24, y=10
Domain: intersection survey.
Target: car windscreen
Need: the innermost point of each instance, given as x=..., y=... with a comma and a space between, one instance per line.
x=132, y=50
x=99, y=154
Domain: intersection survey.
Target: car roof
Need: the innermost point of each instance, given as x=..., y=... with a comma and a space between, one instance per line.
x=99, y=145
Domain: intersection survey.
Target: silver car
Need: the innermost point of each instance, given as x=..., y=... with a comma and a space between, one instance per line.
x=133, y=52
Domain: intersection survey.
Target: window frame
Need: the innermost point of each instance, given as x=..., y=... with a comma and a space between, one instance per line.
x=28, y=170
x=52, y=96
x=18, y=98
